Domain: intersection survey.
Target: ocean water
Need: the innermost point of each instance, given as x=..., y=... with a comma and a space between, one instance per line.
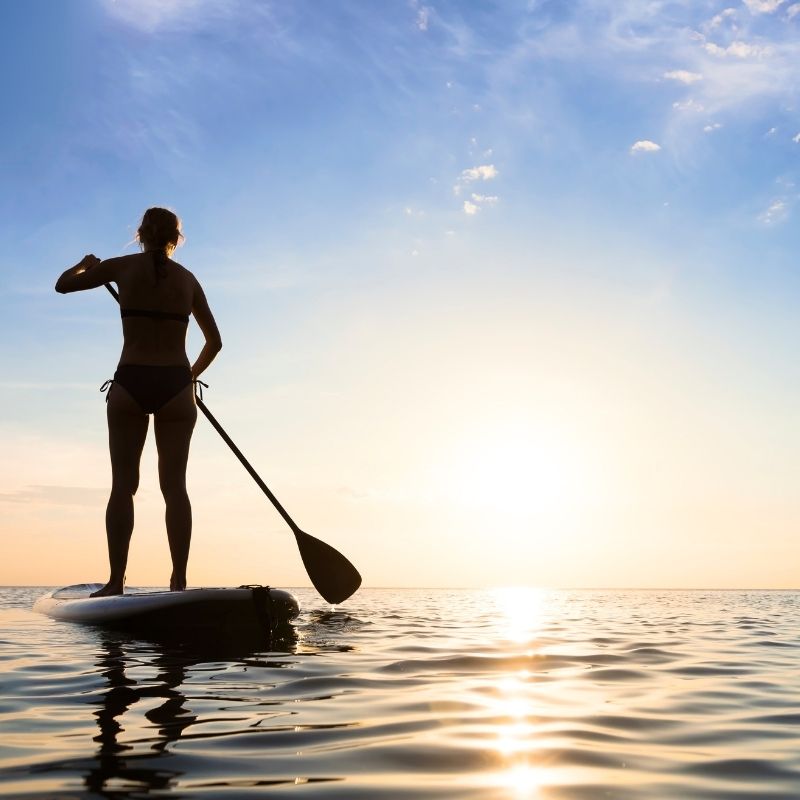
x=419, y=694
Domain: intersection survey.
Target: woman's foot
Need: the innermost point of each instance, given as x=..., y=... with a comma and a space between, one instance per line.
x=177, y=583
x=110, y=589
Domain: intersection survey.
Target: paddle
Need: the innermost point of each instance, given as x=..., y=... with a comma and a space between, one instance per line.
x=333, y=576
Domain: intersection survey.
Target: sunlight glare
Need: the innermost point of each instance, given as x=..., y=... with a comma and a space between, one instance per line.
x=524, y=781
x=516, y=470
x=520, y=611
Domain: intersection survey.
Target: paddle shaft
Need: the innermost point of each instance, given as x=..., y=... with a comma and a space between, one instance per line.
x=246, y=464
x=237, y=452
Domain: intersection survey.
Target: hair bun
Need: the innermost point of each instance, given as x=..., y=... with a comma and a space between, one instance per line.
x=160, y=229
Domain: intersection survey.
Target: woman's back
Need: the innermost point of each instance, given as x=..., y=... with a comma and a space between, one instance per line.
x=155, y=300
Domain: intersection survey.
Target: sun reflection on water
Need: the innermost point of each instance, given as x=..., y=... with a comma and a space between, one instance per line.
x=520, y=616
x=523, y=780
x=519, y=701
x=520, y=611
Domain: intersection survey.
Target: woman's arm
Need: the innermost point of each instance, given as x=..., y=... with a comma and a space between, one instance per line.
x=205, y=319
x=89, y=273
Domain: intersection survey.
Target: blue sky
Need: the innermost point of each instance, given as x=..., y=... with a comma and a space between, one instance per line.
x=417, y=222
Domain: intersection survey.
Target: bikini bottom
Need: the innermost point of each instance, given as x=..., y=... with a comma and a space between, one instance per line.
x=152, y=387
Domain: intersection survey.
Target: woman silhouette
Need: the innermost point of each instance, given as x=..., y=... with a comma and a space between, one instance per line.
x=156, y=296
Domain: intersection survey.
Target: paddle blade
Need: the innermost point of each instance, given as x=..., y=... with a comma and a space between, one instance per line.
x=333, y=576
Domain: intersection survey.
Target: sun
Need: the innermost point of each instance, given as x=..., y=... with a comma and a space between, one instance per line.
x=516, y=469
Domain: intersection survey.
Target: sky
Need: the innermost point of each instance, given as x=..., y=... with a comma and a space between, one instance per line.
x=508, y=290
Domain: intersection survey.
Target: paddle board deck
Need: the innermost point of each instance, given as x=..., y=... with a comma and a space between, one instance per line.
x=190, y=613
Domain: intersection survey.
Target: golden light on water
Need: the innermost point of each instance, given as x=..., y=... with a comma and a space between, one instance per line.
x=520, y=705
x=523, y=780
x=514, y=739
x=520, y=611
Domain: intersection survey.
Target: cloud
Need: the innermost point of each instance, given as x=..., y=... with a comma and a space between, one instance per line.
x=645, y=146
x=777, y=212
x=715, y=22
x=763, y=6
x=155, y=15
x=714, y=126
x=687, y=105
x=46, y=385
x=57, y=495
x=423, y=16
x=485, y=172
x=473, y=206
x=796, y=138
x=738, y=49
x=793, y=11
x=683, y=75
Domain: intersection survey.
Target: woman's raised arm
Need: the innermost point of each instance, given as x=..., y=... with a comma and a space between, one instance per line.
x=89, y=273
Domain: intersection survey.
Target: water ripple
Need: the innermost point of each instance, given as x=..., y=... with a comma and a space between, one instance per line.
x=419, y=694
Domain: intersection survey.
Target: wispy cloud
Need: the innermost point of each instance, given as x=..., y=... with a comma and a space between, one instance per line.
x=683, y=76
x=645, y=146
x=478, y=201
x=688, y=105
x=155, y=15
x=25, y=386
x=738, y=49
x=727, y=15
x=775, y=213
x=763, y=6
x=485, y=172
x=56, y=495
x=482, y=172
x=736, y=61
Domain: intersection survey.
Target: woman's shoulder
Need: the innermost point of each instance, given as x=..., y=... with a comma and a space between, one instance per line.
x=122, y=261
x=186, y=274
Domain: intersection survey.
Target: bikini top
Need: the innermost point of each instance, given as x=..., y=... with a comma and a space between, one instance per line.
x=142, y=312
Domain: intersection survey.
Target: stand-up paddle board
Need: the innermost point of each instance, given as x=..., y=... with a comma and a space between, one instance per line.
x=190, y=613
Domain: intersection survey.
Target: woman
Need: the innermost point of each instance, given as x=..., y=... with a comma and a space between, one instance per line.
x=156, y=296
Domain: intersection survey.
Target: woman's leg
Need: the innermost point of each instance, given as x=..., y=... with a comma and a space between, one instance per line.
x=127, y=431
x=174, y=424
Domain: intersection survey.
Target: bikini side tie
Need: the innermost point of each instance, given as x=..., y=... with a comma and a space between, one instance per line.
x=106, y=387
x=198, y=387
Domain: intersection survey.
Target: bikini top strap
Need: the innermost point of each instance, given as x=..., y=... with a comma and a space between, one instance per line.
x=152, y=314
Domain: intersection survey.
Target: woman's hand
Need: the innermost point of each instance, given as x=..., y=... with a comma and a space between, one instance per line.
x=87, y=262
x=89, y=273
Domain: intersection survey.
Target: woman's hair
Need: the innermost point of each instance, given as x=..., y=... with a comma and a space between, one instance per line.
x=160, y=229
x=159, y=234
